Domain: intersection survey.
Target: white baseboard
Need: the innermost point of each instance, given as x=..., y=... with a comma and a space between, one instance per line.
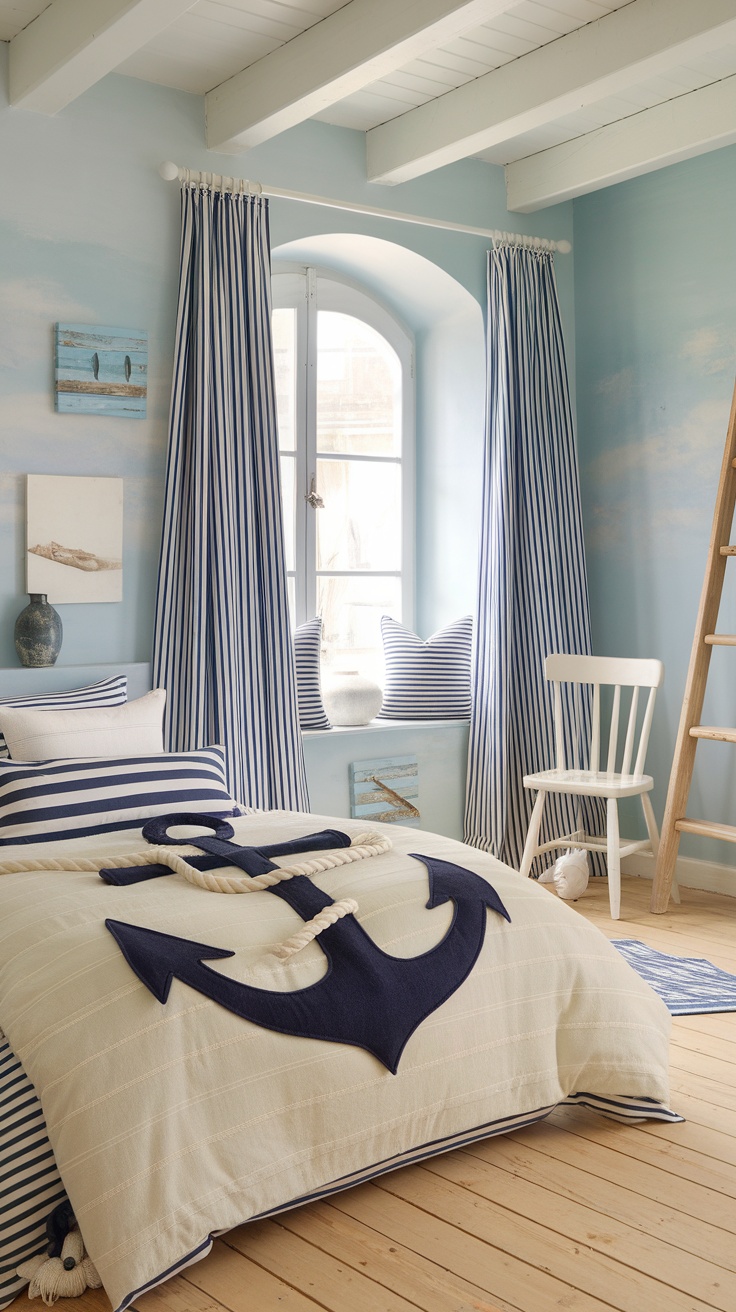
x=710, y=876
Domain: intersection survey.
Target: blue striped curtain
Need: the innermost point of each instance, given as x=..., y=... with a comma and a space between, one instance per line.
x=222, y=641
x=532, y=586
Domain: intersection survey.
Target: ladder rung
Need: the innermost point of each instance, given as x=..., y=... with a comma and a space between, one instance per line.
x=707, y=829
x=692, y=707
x=713, y=731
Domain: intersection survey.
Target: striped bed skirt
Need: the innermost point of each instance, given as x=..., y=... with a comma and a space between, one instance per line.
x=30, y=1185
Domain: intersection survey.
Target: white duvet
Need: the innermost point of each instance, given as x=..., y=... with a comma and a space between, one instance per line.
x=174, y=1122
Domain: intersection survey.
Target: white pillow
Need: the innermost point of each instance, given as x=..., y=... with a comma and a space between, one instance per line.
x=108, y=692
x=133, y=729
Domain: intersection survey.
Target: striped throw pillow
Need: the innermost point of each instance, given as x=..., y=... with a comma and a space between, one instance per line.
x=426, y=680
x=56, y=800
x=30, y=1184
x=307, y=648
x=108, y=692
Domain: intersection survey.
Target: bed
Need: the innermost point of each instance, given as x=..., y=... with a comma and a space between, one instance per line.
x=172, y=1121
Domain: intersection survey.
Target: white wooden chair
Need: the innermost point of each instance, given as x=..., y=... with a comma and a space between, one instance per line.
x=594, y=782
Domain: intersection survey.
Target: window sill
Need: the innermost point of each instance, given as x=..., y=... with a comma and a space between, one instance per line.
x=383, y=726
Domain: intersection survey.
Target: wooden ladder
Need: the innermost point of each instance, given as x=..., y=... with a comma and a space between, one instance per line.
x=676, y=821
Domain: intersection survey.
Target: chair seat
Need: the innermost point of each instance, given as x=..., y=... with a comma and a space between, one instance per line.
x=587, y=783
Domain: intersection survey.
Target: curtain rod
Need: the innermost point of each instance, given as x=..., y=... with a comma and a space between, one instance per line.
x=172, y=173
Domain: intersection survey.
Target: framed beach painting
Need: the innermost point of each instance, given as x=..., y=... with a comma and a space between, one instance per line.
x=74, y=537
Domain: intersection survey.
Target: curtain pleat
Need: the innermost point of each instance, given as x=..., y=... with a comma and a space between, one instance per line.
x=222, y=639
x=532, y=584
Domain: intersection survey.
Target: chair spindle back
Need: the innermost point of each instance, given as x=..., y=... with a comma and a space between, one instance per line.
x=616, y=673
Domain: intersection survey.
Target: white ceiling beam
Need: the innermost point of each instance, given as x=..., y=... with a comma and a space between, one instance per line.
x=692, y=124
x=357, y=45
x=639, y=41
x=74, y=43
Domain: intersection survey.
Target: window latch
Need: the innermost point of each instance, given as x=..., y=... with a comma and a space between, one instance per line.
x=313, y=497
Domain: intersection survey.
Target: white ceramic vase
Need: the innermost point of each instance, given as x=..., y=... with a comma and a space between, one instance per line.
x=350, y=698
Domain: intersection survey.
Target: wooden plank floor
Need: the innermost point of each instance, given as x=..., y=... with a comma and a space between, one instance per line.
x=576, y=1213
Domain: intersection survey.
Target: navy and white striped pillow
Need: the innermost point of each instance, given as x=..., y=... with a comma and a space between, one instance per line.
x=307, y=648
x=30, y=1185
x=426, y=680
x=55, y=800
x=108, y=692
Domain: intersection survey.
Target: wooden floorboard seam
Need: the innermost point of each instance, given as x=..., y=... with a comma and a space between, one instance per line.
x=624, y=1205
x=584, y=1223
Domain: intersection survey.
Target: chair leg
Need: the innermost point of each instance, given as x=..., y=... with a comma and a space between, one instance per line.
x=614, y=859
x=530, y=846
x=646, y=806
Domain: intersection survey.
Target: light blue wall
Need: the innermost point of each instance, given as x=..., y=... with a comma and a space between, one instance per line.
x=655, y=282
x=86, y=235
x=441, y=751
x=450, y=417
x=89, y=232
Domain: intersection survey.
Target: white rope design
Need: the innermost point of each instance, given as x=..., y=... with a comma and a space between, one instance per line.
x=92, y=864
x=313, y=927
x=362, y=846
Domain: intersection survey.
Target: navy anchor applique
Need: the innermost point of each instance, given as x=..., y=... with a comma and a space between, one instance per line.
x=367, y=998
x=217, y=849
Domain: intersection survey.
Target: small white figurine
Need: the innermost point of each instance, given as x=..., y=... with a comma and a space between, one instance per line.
x=571, y=873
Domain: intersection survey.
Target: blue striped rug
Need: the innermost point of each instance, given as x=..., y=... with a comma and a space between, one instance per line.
x=688, y=986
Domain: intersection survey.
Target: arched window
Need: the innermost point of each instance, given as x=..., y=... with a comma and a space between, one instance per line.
x=344, y=379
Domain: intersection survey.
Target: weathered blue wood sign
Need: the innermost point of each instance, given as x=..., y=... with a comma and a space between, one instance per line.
x=386, y=789
x=101, y=371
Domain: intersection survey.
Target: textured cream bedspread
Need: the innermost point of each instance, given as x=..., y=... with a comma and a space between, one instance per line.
x=173, y=1122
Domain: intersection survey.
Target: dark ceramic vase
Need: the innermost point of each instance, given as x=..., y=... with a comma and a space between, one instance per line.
x=38, y=632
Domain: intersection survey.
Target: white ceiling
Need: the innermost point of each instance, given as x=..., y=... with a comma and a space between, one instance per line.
x=214, y=40
x=16, y=14
x=197, y=47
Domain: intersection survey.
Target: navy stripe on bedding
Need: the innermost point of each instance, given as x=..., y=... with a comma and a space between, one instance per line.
x=624, y=1109
x=30, y=1185
x=506, y=1125
x=426, y=680
x=108, y=692
x=55, y=800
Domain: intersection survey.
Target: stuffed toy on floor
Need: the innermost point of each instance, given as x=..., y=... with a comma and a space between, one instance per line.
x=64, y=1270
x=569, y=874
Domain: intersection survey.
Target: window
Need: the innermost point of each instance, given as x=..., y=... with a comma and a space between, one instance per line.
x=345, y=410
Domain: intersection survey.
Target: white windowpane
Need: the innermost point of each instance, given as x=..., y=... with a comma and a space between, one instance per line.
x=351, y=610
x=358, y=388
x=346, y=430
x=359, y=526
x=283, y=328
x=288, y=501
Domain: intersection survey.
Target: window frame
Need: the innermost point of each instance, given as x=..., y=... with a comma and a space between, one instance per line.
x=307, y=290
